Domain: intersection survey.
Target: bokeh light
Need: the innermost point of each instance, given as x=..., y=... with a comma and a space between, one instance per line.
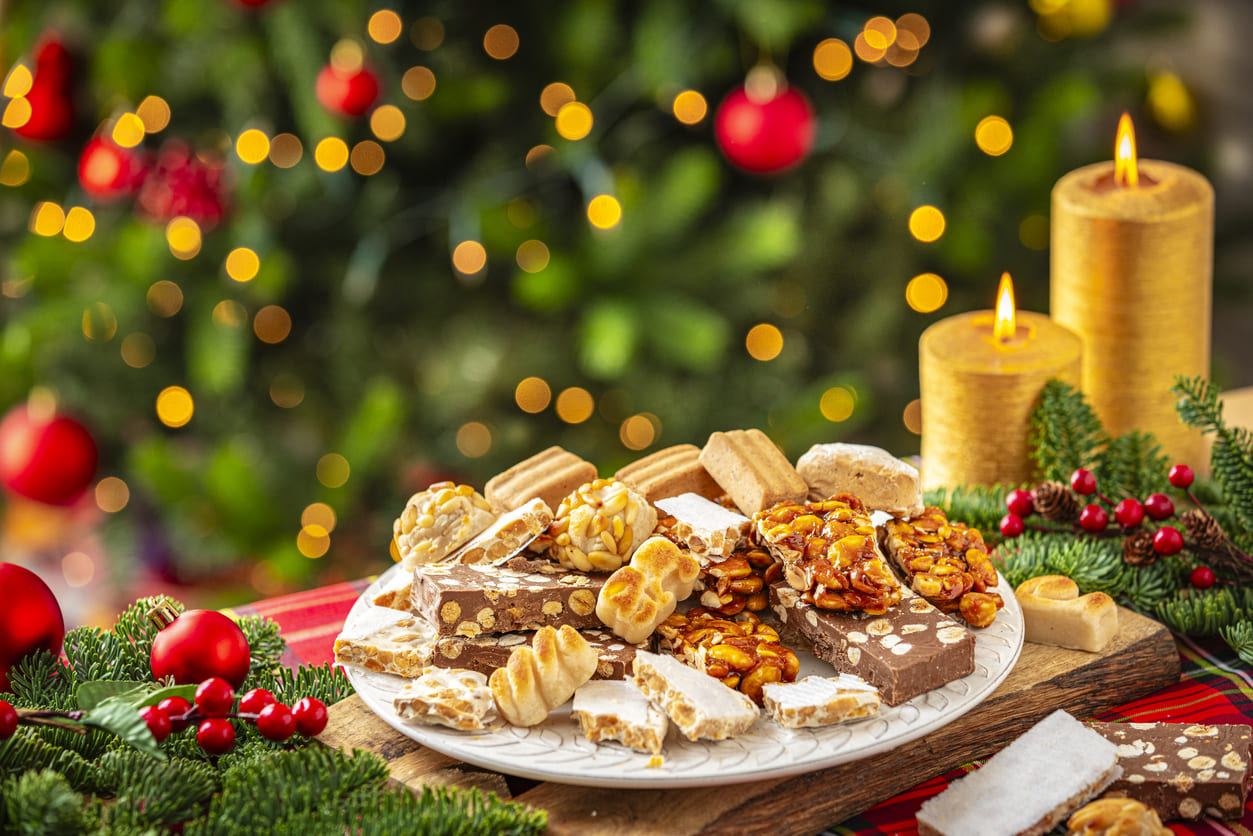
x=184, y=237
x=1171, y=103
x=575, y=405
x=993, y=135
x=99, y=322
x=926, y=293
x=384, y=26
x=175, y=406
x=319, y=514
x=333, y=470
x=286, y=150
x=128, y=130
x=112, y=494
x=912, y=416
x=764, y=342
x=47, y=219
x=229, y=314
x=347, y=55
x=926, y=223
x=15, y=170
x=574, y=121
x=313, y=541
x=1033, y=232
x=287, y=391
x=331, y=154
x=80, y=224
x=880, y=33
x=78, y=568
x=19, y=81
x=427, y=33
x=865, y=51
x=138, y=350
x=387, y=123
x=554, y=95
x=272, y=324
x=533, y=394
x=604, y=211
x=165, y=298
x=418, y=83
x=532, y=256
x=537, y=154
x=833, y=60
x=154, y=112
x=501, y=41
x=469, y=257
x=474, y=440
x=916, y=26
x=367, y=157
x=252, y=146
x=637, y=432
x=837, y=404
x=690, y=107
x=242, y=264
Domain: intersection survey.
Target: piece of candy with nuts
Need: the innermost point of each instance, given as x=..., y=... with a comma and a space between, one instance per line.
x=437, y=521
x=744, y=654
x=599, y=526
x=737, y=583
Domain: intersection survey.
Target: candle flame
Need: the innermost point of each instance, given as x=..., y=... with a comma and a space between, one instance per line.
x=1003, y=328
x=1125, y=171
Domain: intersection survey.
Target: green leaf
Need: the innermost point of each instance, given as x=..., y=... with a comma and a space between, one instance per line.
x=122, y=718
x=93, y=692
x=187, y=692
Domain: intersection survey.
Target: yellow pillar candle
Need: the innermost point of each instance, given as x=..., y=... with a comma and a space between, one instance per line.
x=1131, y=265
x=981, y=374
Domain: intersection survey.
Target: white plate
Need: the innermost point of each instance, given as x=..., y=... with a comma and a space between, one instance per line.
x=556, y=749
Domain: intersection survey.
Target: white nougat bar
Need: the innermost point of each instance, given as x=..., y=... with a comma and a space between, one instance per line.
x=614, y=709
x=698, y=705
x=820, y=701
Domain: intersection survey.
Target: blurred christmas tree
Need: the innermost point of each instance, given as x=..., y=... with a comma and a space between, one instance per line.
x=291, y=260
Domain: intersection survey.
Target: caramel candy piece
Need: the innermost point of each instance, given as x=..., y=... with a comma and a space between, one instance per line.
x=744, y=654
x=1115, y=817
x=1055, y=613
x=387, y=641
x=504, y=538
x=599, y=525
x=550, y=475
x=884, y=482
x=752, y=470
x=670, y=472
x=700, y=706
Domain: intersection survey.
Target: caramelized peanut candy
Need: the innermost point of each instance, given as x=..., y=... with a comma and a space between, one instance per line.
x=745, y=654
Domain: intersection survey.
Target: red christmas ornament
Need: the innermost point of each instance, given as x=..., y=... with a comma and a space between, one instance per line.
x=1159, y=506
x=1167, y=540
x=1129, y=512
x=45, y=456
x=181, y=183
x=1083, y=482
x=198, y=645
x=29, y=620
x=51, y=94
x=347, y=92
x=1020, y=502
x=1093, y=518
x=765, y=127
x=108, y=171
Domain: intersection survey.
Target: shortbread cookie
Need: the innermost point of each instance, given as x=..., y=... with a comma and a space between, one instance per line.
x=669, y=472
x=386, y=640
x=700, y=706
x=706, y=528
x=488, y=652
x=459, y=699
x=744, y=653
x=613, y=710
x=599, y=525
x=550, y=476
x=752, y=470
x=820, y=701
x=439, y=520
x=881, y=480
x=510, y=534
x=638, y=597
x=1027, y=787
x=541, y=677
x=1053, y=612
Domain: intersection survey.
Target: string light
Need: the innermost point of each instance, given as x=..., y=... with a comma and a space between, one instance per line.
x=154, y=112
x=252, y=146
x=926, y=223
x=319, y=514
x=532, y=394
x=993, y=135
x=80, y=224
x=184, y=237
x=474, y=440
x=837, y=404
x=916, y=26
x=532, y=256
x=638, y=431
x=575, y=405
x=112, y=494
x=78, y=568
x=99, y=322
x=128, y=131
x=19, y=81
x=15, y=170
x=926, y=293
x=912, y=416
x=387, y=123
x=333, y=470
x=469, y=257
x=286, y=150
x=367, y=157
x=165, y=298
x=229, y=314
x=865, y=51
x=418, y=83
x=501, y=41
x=764, y=342
x=138, y=350
x=286, y=391
x=537, y=154
x=175, y=406
x=313, y=541
x=242, y=264
x=574, y=121
x=384, y=26
x=427, y=33
x=331, y=154
x=880, y=33
x=16, y=113
x=554, y=95
x=47, y=219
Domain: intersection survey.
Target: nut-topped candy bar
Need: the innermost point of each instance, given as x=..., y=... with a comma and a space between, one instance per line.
x=736, y=583
x=599, y=525
x=437, y=521
x=744, y=654
x=947, y=563
x=829, y=551
x=486, y=653
x=469, y=599
x=908, y=650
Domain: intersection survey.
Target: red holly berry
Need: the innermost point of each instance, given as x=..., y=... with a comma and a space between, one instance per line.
x=214, y=697
x=310, y=716
x=1129, y=513
x=1012, y=525
x=216, y=735
x=347, y=92
x=1202, y=577
x=1093, y=518
x=1181, y=476
x=8, y=720
x=1083, y=482
x=765, y=127
x=158, y=721
x=1020, y=502
x=1159, y=507
x=255, y=700
x=1167, y=540
x=176, y=708
x=276, y=722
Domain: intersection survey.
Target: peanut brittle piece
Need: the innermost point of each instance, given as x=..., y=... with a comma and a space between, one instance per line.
x=598, y=526
x=744, y=654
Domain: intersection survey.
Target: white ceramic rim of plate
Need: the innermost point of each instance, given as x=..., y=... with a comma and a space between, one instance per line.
x=557, y=751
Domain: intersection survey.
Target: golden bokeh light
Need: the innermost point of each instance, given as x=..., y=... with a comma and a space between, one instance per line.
x=154, y=112
x=175, y=406
x=16, y=113
x=533, y=394
x=900, y=56
x=286, y=150
x=604, y=211
x=165, y=298
x=917, y=27
x=926, y=223
x=138, y=350
x=912, y=416
x=574, y=121
x=331, y=154
x=367, y=157
x=993, y=135
x=313, y=541
x=427, y=33
x=833, y=60
x=1033, y=232
x=19, y=81
x=47, y=219
x=242, y=264
x=15, y=170
x=112, y=494
x=575, y=405
x=880, y=33
x=128, y=130
x=418, y=83
x=474, y=439
x=229, y=314
x=347, y=56
x=764, y=342
x=384, y=26
x=99, y=322
x=287, y=391
x=537, y=154
x=554, y=95
x=1171, y=103
x=184, y=237
x=690, y=107
x=637, y=432
x=387, y=123
x=319, y=514
x=469, y=257
x=80, y=224
x=78, y=568
x=501, y=41
x=272, y=324
x=865, y=51
x=926, y=293
x=333, y=470
x=532, y=255
x=252, y=146
x=837, y=404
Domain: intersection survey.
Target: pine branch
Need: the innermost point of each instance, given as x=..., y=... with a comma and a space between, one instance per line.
x=1239, y=637
x=1063, y=432
x=153, y=792
x=978, y=506
x=1132, y=465
x=321, y=681
x=1197, y=613
x=27, y=750
x=39, y=681
x=93, y=654
x=1231, y=458
x=265, y=642
x=42, y=801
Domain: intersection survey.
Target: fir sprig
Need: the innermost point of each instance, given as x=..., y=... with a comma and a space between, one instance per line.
x=1063, y=432
x=1133, y=464
x=1232, y=455
x=43, y=801
x=1207, y=613
x=979, y=506
x=1240, y=637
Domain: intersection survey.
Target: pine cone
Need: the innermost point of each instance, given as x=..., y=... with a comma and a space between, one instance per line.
x=1203, y=529
x=1137, y=549
x=1054, y=501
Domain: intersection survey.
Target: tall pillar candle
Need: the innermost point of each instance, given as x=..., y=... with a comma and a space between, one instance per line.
x=978, y=391
x=1131, y=273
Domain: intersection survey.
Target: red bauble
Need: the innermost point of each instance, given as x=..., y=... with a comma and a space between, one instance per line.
x=199, y=645
x=107, y=170
x=51, y=94
x=182, y=184
x=29, y=620
x=765, y=133
x=50, y=459
x=347, y=92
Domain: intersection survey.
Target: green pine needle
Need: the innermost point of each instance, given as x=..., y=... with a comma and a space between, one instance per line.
x=1208, y=612
x=1240, y=638
x=978, y=506
x=1231, y=458
x=1064, y=433
x=1132, y=465
x=42, y=801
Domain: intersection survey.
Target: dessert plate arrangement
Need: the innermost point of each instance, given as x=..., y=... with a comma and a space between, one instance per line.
x=556, y=749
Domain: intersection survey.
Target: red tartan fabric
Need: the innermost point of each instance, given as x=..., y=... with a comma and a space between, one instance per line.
x=1215, y=687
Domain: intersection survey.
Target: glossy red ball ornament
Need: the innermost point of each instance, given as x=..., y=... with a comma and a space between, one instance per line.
x=30, y=618
x=108, y=171
x=1181, y=476
x=1129, y=512
x=1167, y=540
x=1020, y=502
x=1083, y=482
x=1159, y=506
x=51, y=94
x=347, y=92
x=46, y=456
x=765, y=128
x=199, y=645
x=1202, y=577
x=1012, y=525
x=1093, y=518
x=216, y=735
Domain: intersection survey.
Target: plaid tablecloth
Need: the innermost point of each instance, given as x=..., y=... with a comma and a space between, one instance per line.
x=1215, y=687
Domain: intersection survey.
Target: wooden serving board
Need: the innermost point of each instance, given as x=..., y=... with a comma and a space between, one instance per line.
x=1140, y=660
